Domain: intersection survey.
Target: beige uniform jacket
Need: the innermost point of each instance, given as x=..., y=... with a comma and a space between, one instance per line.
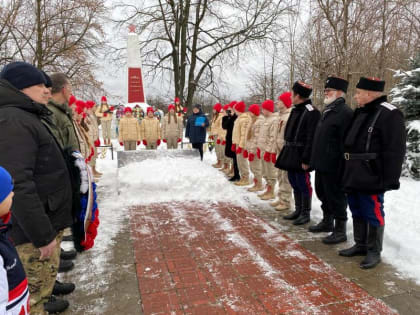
x=268, y=136
x=129, y=129
x=173, y=129
x=283, y=117
x=221, y=133
x=254, y=130
x=239, y=135
x=150, y=129
x=93, y=128
x=100, y=112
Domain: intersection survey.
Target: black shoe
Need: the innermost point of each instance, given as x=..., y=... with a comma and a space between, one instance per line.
x=68, y=254
x=302, y=219
x=63, y=288
x=360, y=230
x=374, y=247
x=234, y=179
x=298, y=207
x=326, y=225
x=65, y=265
x=292, y=216
x=68, y=238
x=55, y=305
x=338, y=235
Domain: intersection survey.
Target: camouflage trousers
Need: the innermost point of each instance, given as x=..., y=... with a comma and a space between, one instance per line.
x=41, y=274
x=285, y=190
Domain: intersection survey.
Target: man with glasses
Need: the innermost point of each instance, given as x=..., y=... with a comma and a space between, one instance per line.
x=327, y=160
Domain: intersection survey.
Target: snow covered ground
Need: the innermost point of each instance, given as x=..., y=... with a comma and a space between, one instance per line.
x=186, y=179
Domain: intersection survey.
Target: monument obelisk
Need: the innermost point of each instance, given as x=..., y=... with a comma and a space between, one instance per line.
x=135, y=79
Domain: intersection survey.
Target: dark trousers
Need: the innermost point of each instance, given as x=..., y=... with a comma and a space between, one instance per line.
x=300, y=182
x=235, y=166
x=199, y=147
x=367, y=207
x=333, y=199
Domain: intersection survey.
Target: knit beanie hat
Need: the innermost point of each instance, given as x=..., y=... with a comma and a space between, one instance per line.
x=47, y=79
x=286, y=98
x=240, y=107
x=80, y=106
x=232, y=104
x=171, y=106
x=268, y=105
x=22, y=75
x=176, y=100
x=150, y=109
x=103, y=99
x=255, y=109
x=90, y=104
x=218, y=107
x=6, y=184
x=226, y=107
x=128, y=109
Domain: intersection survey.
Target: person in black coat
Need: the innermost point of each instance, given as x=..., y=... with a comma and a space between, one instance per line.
x=296, y=154
x=43, y=194
x=374, y=151
x=228, y=122
x=327, y=160
x=196, y=129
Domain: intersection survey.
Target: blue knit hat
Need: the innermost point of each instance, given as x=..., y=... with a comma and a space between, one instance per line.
x=22, y=75
x=6, y=184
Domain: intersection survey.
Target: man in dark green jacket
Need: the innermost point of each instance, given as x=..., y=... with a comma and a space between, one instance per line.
x=62, y=113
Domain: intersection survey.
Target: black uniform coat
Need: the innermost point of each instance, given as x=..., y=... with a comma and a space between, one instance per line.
x=388, y=141
x=307, y=129
x=328, y=144
x=227, y=123
x=43, y=200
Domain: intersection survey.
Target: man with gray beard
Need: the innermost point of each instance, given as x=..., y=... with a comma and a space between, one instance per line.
x=327, y=161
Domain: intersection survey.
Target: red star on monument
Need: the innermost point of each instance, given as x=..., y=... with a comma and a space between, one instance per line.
x=132, y=28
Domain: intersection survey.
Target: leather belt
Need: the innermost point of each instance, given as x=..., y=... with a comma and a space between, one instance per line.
x=360, y=156
x=294, y=144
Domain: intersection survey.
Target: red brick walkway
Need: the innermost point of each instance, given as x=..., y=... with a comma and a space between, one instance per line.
x=219, y=259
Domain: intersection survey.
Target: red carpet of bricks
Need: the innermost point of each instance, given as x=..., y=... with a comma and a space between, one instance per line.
x=195, y=258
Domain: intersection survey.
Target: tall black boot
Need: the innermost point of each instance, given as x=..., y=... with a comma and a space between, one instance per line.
x=298, y=207
x=374, y=247
x=326, y=225
x=338, y=235
x=305, y=214
x=360, y=228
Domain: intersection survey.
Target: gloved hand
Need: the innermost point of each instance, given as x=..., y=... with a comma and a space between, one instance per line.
x=267, y=156
x=184, y=109
x=121, y=143
x=144, y=142
x=164, y=140
x=273, y=158
x=239, y=150
x=218, y=141
x=97, y=143
x=251, y=157
x=211, y=137
x=104, y=114
x=138, y=142
x=179, y=140
x=259, y=153
x=111, y=108
x=233, y=148
x=158, y=142
x=223, y=142
x=245, y=154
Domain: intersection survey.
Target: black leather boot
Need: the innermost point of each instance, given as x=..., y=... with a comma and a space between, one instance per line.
x=305, y=214
x=298, y=207
x=55, y=305
x=338, y=235
x=326, y=225
x=61, y=288
x=374, y=247
x=65, y=265
x=360, y=228
x=68, y=254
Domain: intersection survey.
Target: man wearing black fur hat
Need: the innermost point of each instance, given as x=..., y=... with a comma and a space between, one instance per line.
x=296, y=153
x=374, y=153
x=327, y=161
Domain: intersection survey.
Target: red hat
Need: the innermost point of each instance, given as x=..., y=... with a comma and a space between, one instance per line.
x=226, y=107
x=103, y=99
x=128, y=109
x=218, y=107
x=171, y=106
x=176, y=100
x=255, y=109
x=150, y=109
x=240, y=107
x=286, y=98
x=80, y=106
x=72, y=100
x=268, y=105
x=90, y=104
x=232, y=104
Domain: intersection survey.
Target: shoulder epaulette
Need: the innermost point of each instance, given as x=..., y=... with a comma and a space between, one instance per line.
x=389, y=106
x=309, y=107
